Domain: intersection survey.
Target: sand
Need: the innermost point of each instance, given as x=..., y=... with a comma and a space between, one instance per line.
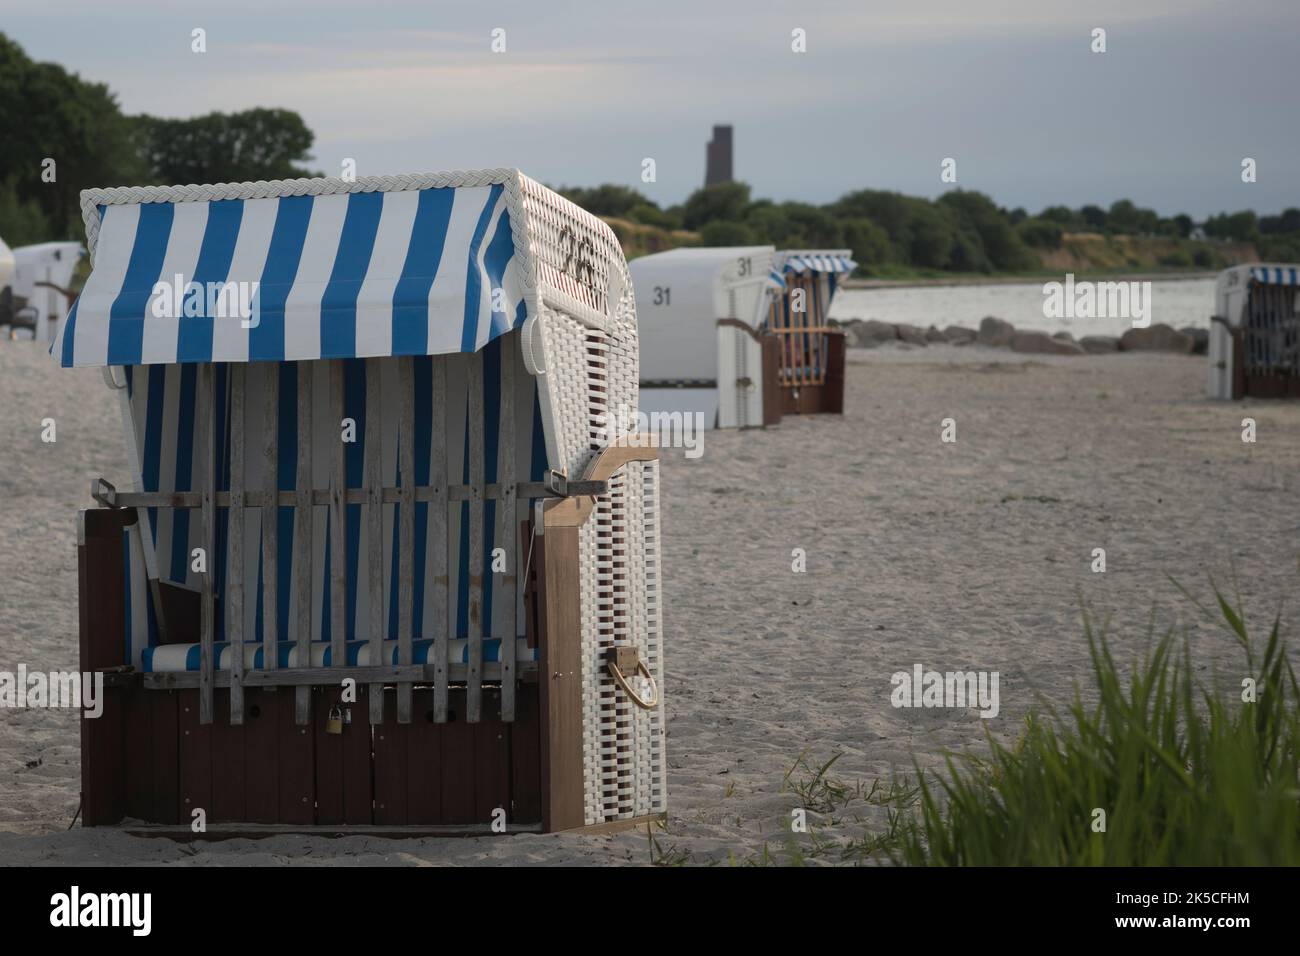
x=970, y=555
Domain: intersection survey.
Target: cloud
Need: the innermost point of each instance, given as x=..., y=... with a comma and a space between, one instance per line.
x=585, y=90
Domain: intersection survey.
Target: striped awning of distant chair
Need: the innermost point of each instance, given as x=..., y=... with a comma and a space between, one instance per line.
x=835, y=261
x=775, y=280
x=1275, y=275
x=298, y=277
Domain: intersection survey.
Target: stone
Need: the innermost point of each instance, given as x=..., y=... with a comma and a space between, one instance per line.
x=911, y=334
x=1200, y=338
x=1040, y=343
x=1099, y=344
x=872, y=332
x=960, y=335
x=996, y=332
x=1063, y=336
x=1157, y=338
x=933, y=335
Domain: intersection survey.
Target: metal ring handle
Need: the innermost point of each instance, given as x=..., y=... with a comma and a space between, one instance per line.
x=627, y=688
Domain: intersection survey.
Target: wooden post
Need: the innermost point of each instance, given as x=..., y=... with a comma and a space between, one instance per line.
x=406, y=531
x=474, y=677
x=302, y=535
x=235, y=586
x=438, y=535
x=560, y=673
x=338, y=523
x=1238, y=363
x=798, y=321
x=818, y=340
x=374, y=479
x=206, y=422
x=771, y=378
x=507, y=623
x=833, y=393
x=270, y=516
x=106, y=786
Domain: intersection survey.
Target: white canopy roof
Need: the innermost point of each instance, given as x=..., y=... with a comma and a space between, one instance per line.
x=46, y=262
x=680, y=296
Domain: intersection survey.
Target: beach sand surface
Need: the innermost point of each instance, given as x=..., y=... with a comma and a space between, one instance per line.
x=971, y=555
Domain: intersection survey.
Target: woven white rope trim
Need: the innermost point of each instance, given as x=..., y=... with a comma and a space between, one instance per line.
x=276, y=188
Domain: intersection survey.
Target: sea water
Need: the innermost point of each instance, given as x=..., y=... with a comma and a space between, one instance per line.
x=1176, y=302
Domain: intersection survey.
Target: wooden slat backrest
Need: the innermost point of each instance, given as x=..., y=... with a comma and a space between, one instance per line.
x=235, y=584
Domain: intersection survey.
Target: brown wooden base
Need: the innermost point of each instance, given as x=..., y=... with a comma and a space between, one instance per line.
x=811, y=400
x=825, y=398
x=1271, y=386
x=153, y=761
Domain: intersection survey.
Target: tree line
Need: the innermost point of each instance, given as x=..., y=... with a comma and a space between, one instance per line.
x=961, y=231
x=60, y=134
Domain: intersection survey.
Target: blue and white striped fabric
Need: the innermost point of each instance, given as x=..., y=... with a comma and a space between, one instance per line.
x=775, y=280
x=819, y=262
x=163, y=403
x=348, y=275
x=1275, y=275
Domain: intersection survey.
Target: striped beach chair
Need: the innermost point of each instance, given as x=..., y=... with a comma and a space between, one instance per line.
x=382, y=561
x=1254, y=346
x=812, y=351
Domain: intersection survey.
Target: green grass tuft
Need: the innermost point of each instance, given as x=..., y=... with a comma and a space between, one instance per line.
x=1185, y=776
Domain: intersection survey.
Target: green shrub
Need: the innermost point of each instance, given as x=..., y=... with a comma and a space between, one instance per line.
x=22, y=221
x=727, y=234
x=1280, y=248
x=651, y=215
x=1041, y=233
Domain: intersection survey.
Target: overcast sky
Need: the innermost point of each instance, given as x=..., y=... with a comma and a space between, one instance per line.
x=885, y=91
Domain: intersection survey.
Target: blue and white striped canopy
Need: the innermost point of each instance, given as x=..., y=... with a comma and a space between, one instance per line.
x=1276, y=275
x=819, y=262
x=348, y=275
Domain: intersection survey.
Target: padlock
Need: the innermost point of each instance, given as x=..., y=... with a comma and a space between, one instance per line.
x=334, y=721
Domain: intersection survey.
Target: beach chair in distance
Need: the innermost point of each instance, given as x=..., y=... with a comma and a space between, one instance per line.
x=42, y=275
x=811, y=372
x=15, y=313
x=1254, y=345
x=700, y=312
x=383, y=565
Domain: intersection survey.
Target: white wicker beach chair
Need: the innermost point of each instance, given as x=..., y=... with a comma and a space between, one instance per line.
x=700, y=311
x=417, y=374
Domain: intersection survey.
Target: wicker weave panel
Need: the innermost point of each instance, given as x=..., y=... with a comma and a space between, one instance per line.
x=589, y=394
